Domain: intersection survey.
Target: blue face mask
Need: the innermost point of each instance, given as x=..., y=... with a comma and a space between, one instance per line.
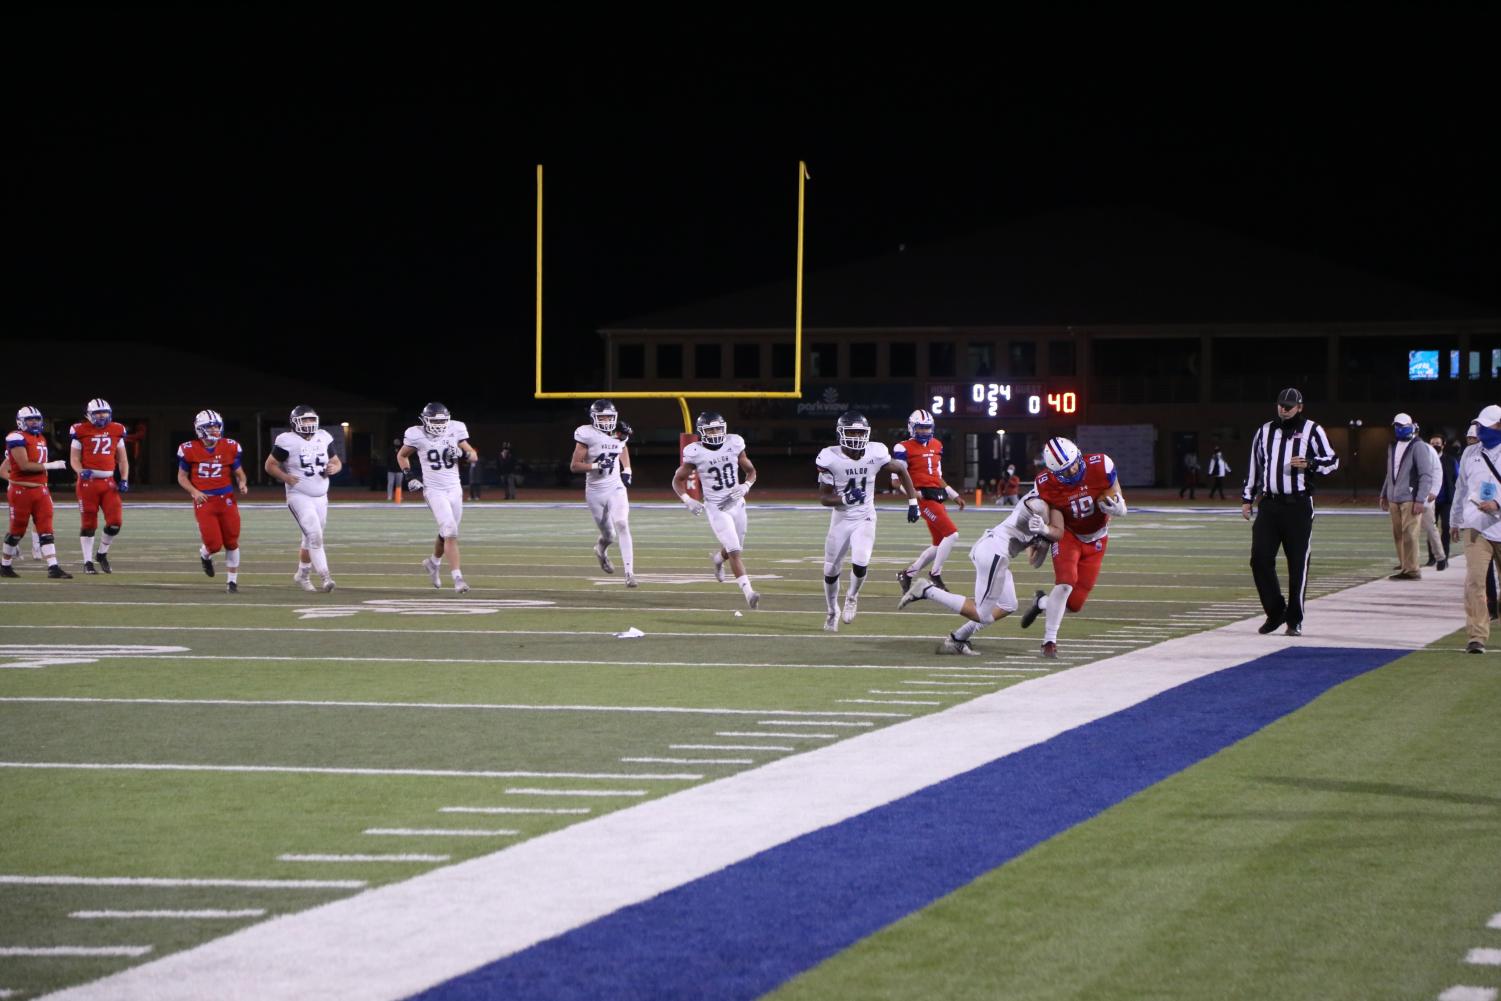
x=1404, y=431
x=1489, y=437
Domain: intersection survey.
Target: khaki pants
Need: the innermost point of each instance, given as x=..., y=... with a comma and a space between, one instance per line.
x=1479, y=551
x=1405, y=528
x=1431, y=530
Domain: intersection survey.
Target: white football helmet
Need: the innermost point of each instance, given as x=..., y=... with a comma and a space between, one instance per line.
x=711, y=428
x=99, y=412
x=604, y=416
x=854, y=431
x=29, y=419
x=1064, y=460
x=208, y=426
x=920, y=426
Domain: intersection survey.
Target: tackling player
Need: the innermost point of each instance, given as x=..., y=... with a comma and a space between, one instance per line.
x=846, y=482
x=205, y=467
x=301, y=460
x=600, y=451
x=96, y=452
x=923, y=455
x=28, y=495
x=438, y=443
x=721, y=464
x=1084, y=495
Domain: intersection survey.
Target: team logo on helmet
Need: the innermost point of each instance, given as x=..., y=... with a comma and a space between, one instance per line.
x=99, y=412
x=1064, y=460
x=854, y=431
x=208, y=426
x=711, y=428
x=29, y=419
x=604, y=416
x=304, y=420
x=434, y=419
x=920, y=426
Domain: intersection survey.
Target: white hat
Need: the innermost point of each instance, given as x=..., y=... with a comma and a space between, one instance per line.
x=1489, y=416
x=1402, y=420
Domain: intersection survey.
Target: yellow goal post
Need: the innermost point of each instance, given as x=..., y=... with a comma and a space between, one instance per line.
x=681, y=396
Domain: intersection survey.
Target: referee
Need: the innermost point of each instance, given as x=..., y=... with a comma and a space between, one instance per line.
x=1283, y=453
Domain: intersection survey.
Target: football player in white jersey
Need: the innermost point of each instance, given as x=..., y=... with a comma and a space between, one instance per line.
x=1031, y=525
x=301, y=460
x=847, y=483
x=437, y=444
x=725, y=475
x=600, y=451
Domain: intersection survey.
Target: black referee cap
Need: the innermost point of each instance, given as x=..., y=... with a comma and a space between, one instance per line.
x=1289, y=398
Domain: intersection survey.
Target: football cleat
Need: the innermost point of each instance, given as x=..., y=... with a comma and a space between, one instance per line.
x=905, y=579
x=937, y=579
x=753, y=600
x=88, y=566
x=460, y=586
x=604, y=558
x=231, y=588
x=851, y=605
x=831, y=624
x=718, y=567
x=103, y=559
x=304, y=581
x=962, y=648
x=1031, y=614
x=1050, y=650
x=328, y=585
x=207, y=562
x=56, y=572
x=920, y=589
x=630, y=580
x=433, y=568
x=8, y=571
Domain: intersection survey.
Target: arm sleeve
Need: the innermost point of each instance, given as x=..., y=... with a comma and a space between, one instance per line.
x=1253, y=469
x=1324, y=461
x=279, y=454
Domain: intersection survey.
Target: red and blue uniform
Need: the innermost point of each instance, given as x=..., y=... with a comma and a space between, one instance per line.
x=27, y=495
x=924, y=461
x=1078, y=555
x=210, y=470
x=99, y=451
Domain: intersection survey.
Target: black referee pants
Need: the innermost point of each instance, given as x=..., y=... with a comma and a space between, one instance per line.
x=1286, y=524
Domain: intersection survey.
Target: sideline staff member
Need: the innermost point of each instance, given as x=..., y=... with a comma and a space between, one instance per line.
x=1283, y=453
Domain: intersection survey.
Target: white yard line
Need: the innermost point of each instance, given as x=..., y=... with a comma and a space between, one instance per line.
x=248, y=884
x=887, y=702
x=820, y=722
x=441, y=832
x=727, y=747
x=249, y=912
x=576, y=792
x=1483, y=957
x=515, y=809
x=415, y=857
x=689, y=761
x=401, y=938
x=1494, y=922
x=128, y=951
x=1465, y=993
x=784, y=736
x=308, y=770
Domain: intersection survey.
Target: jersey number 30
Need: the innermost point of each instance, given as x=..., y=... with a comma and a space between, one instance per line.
x=724, y=476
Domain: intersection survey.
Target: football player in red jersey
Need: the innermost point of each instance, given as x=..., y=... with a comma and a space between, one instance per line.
x=923, y=455
x=1084, y=495
x=205, y=467
x=27, y=495
x=95, y=454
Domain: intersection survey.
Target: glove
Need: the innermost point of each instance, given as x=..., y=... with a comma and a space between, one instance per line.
x=125, y=486
x=625, y=477
x=55, y=464
x=696, y=507
x=739, y=490
x=1113, y=504
x=623, y=431
x=450, y=455
x=86, y=474
x=1036, y=524
x=912, y=512
x=853, y=497
x=411, y=479
x=605, y=462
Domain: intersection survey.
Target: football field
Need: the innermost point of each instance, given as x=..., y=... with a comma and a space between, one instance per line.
x=178, y=764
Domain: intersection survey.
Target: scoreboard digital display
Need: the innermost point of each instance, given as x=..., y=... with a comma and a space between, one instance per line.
x=1000, y=399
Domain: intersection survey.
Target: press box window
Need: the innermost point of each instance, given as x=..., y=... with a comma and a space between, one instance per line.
x=669, y=361
x=630, y=361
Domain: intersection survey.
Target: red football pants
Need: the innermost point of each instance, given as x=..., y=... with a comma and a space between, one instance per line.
x=1078, y=563
x=940, y=525
x=218, y=523
x=29, y=504
x=95, y=494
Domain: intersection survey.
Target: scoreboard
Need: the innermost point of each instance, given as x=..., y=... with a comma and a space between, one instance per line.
x=1000, y=399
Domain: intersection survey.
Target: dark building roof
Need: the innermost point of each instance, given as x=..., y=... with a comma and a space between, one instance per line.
x=1075, y=267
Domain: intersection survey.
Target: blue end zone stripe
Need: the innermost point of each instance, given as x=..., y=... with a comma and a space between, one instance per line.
x=744, y=930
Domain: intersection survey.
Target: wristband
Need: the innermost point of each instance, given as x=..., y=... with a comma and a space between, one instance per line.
x=951, y=492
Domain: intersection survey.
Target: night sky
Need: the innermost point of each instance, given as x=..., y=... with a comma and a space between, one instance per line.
x=280, y=185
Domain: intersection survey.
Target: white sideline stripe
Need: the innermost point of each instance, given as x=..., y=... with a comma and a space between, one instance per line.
x=75, y=950
x=1464, y=993
x=309, y=770
x=710, y=711
x=1494, y=922
x=290, y=857
x=514, y=809
x=727, y=747
x=821, y=722
x=249, y=912
x=249, y=884
x=1484, y=957
x=690, y=761
x=790, y=736
x=441, y=832
x=398, y=939
x=575, y=792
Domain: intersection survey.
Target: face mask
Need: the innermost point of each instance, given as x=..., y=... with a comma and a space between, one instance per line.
x=1404, y=432
x=1489, y=438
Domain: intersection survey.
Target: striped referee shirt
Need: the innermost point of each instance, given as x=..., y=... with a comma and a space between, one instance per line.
x=1272, y=451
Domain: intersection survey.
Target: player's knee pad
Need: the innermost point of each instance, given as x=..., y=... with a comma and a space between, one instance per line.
x=87, y=533
x=831, y=571
x=314, y=541
x=12, y=540
x=829, y=578
x=111, y=530
x=857, y=569
x=45, y=538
